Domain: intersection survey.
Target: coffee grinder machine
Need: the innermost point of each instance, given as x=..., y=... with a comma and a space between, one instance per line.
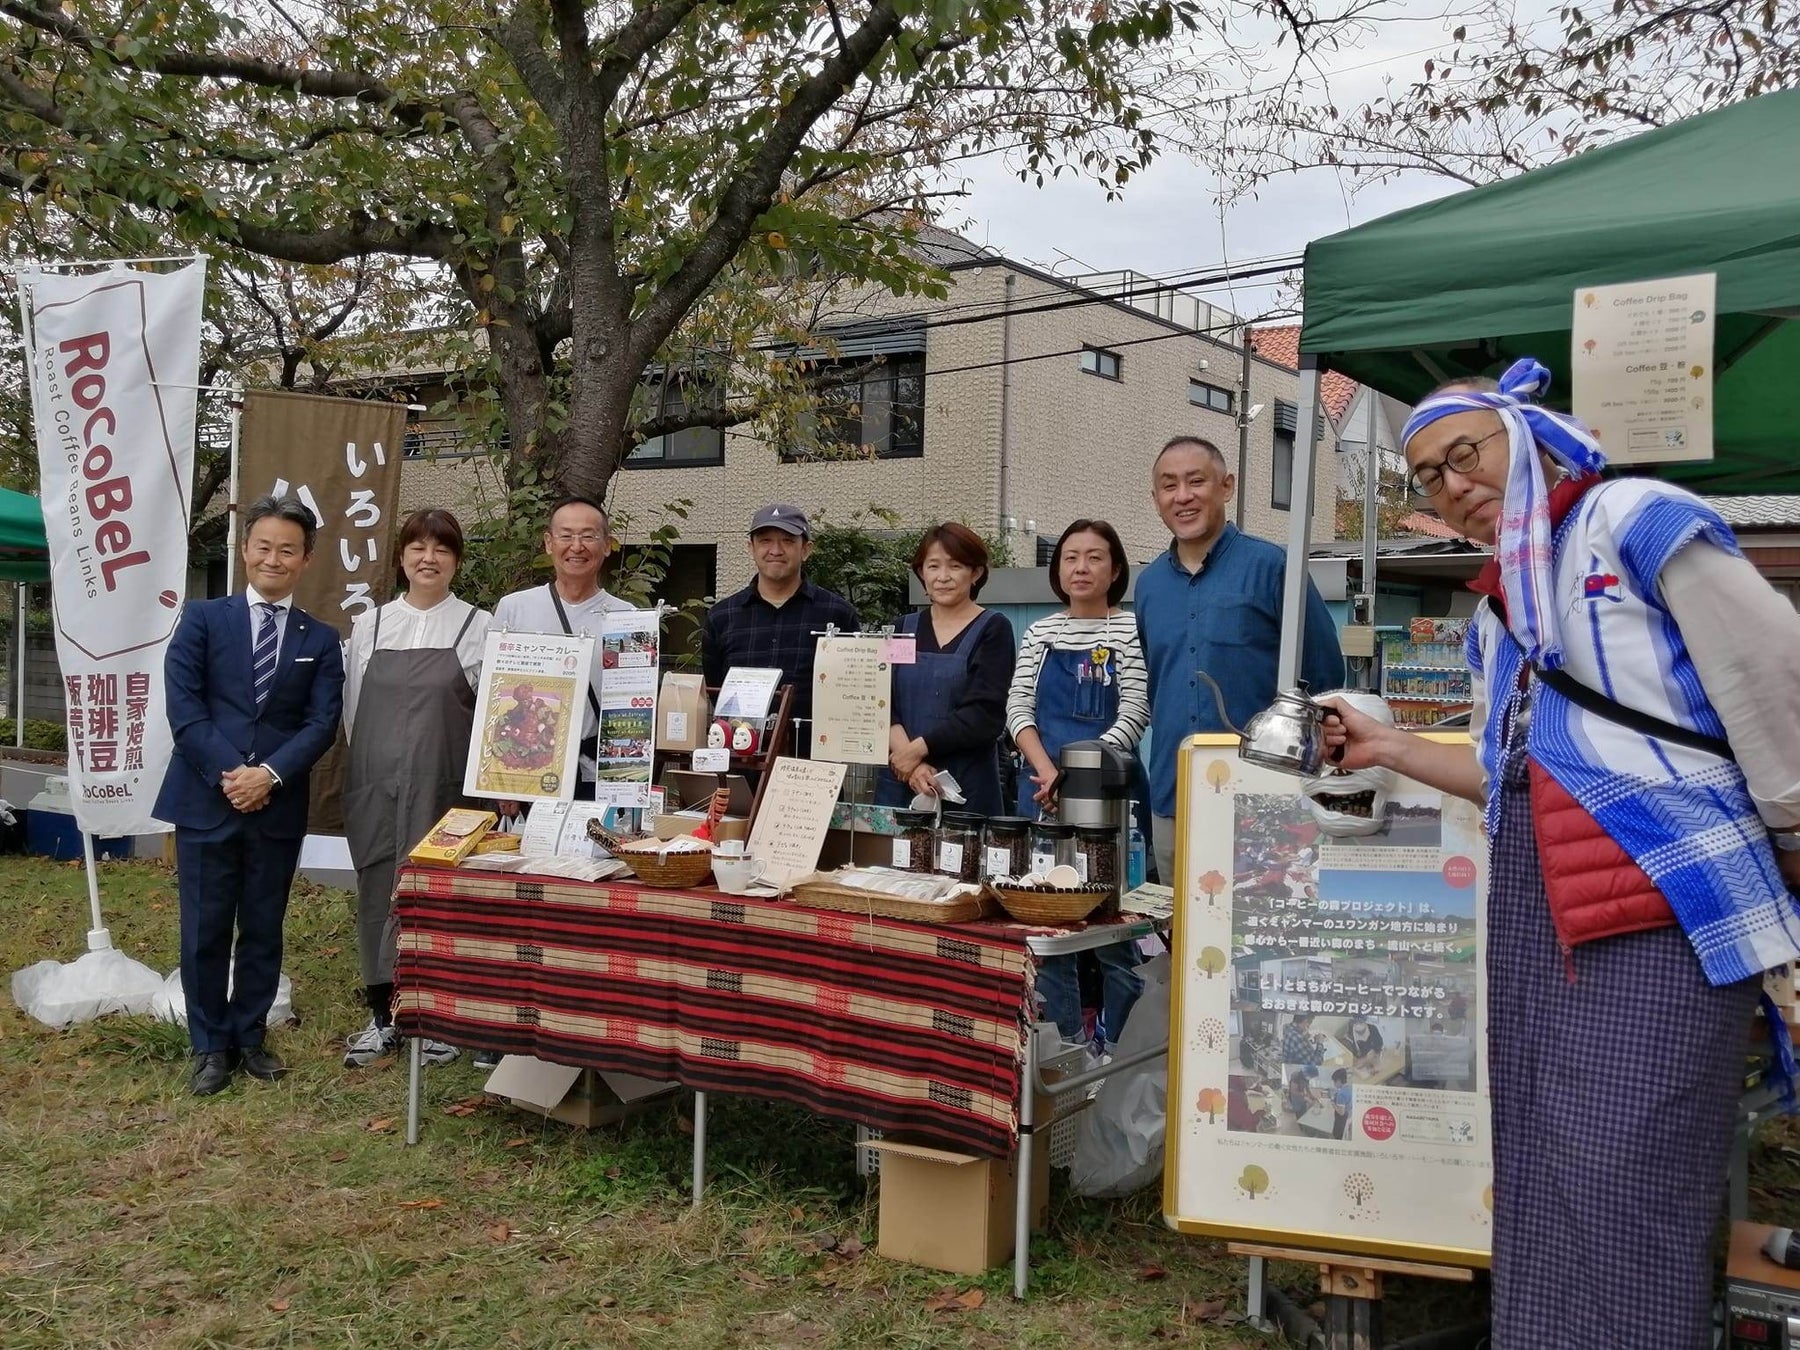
x=1094, y=785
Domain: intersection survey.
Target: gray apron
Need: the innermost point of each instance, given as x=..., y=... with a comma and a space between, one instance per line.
x=408, y=748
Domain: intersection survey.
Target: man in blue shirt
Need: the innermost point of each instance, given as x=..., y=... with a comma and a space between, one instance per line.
x=1212, y=603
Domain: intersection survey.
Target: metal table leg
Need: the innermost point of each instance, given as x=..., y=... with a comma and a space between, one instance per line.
x=699, y=1148
x=1022, y=1171
x=412, y=1090
x=1256, y=1296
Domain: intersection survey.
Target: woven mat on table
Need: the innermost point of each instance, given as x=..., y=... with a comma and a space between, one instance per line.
x=902, y=1027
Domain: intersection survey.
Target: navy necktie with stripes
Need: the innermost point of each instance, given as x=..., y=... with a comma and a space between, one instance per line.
x=264, y=657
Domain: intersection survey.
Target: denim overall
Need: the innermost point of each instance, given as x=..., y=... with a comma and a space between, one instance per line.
x=1077, y=698
x=926, y=692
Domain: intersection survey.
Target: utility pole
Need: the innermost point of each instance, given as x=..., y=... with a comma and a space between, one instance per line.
x=1243, y=426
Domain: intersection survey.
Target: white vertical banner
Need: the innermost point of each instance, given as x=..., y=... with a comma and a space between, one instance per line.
x=115, y=361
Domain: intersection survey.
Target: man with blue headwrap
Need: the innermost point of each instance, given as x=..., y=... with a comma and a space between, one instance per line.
x=1637, y=749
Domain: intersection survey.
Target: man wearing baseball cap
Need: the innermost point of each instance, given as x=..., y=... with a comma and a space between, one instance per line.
x=773, y=620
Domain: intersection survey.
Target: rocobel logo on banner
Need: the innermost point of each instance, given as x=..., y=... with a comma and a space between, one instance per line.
x=114, y=359
x=121, y=509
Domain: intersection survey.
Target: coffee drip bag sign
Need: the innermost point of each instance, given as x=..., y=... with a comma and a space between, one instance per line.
x=853, y=690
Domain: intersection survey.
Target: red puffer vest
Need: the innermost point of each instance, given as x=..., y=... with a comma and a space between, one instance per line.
x=1594, y=888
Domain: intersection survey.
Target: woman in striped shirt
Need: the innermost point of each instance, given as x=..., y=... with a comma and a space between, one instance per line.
x=1080, y=676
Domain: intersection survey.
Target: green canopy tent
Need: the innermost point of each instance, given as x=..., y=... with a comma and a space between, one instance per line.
x=24, y=555
x=1465, y=285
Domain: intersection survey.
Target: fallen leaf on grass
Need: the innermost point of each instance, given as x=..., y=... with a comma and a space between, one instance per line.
x=278, y=1305
x=520, y=1142
x=332, y=951
x=796, y=1214
x=341, y=1155
x=468, y=1106
x=607, y=1301
x=1212, y=1310
x=500, y=1232
x=949, y=1300
x=1151, y=1272
x=381, y=1125
x=851, y=1247
x=422, y=1204
x=614, y=1173
x=683, y=1124
x=751, y=1278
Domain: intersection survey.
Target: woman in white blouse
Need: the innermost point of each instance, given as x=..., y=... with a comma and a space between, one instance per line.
x=411, y=669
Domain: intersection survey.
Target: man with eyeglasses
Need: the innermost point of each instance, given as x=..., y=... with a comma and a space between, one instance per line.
x=579, y=541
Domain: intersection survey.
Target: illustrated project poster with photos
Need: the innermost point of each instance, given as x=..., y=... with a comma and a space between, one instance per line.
x=526, y=742
x=1328, y=1077
x=625, y=747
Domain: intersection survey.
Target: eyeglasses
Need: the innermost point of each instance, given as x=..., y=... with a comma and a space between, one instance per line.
x=1428, y=479
x=587, y=537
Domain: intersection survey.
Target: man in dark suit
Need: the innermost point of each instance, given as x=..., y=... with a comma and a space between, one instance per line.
x=255, y=690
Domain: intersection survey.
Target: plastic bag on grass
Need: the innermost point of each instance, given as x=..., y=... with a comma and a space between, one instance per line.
x=1119, y=1139
x=170, y=1004
x=60, y=995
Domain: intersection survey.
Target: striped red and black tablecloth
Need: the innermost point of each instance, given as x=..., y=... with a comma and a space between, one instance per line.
x=907, y=1028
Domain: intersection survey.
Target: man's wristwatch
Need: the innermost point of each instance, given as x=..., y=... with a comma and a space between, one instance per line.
x=1788, y=841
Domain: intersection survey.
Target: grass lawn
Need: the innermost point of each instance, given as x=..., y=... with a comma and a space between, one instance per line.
x=292, y=1214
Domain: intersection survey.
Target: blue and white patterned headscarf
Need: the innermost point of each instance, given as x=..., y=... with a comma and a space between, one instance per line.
x=1523, y=542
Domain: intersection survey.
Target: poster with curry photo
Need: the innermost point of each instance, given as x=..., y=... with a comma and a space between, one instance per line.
x=526, y=743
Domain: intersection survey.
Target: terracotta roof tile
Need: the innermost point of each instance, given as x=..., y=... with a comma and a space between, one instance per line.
x=1281, y=344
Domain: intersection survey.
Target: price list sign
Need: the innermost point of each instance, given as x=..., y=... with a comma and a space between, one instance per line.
x=1642, y=361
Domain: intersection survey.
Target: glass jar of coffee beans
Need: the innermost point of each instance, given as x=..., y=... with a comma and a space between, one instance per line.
x=915, y=847
x=1097, y=855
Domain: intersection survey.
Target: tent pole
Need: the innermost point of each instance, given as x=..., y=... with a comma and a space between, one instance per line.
x=19, y=660
x=98, y=938
x=1300, y=514
x=1371, y=513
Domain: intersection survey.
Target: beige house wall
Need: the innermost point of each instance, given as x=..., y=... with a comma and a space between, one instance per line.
x=1076, y=444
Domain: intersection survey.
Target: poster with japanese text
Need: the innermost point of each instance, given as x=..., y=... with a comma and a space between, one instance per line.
x=1328, y=1077
x=853, y=686
x=341, y=458
x=626, y=737
x=1641, y=368
x=526, y=742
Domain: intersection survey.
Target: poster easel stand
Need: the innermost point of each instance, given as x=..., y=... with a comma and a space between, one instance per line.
x=1351, y=1286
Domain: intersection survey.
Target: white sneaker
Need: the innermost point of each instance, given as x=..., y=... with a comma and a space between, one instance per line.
x=436, y=1052
x=369, y=1045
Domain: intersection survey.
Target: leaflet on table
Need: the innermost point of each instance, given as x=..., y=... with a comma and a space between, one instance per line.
x=748, y=692
x=629, y=639
x=853, y=684
x=1330, y=1080
x=555, y=828
x=526, y=741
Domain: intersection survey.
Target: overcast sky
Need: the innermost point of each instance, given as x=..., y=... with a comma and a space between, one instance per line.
x=1169, y=218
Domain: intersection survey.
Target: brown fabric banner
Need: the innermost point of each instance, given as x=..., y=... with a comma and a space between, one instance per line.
x=341, y=457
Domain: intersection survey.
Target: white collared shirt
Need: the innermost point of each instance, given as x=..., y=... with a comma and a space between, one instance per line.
x=282, y=606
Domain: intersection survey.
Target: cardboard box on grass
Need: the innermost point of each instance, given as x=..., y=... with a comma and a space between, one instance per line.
x=953, y=1211
x=582, y=1097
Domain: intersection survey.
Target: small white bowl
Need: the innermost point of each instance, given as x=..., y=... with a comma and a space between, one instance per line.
x=1062, y=876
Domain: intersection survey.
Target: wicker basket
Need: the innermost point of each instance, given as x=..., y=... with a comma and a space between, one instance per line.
x=855, y=900
x=1051, y=904
x=677, y=870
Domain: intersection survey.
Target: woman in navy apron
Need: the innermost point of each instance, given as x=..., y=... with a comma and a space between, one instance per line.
x=949, y=708
x=1080, y=676
x=409, y=704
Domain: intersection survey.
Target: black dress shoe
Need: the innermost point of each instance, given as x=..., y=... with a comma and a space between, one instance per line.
x=212, y=1072
x=259, y=1063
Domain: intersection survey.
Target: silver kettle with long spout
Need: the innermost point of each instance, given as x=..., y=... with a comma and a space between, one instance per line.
x=1288, y=735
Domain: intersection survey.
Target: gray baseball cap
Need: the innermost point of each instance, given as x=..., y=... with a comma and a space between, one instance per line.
x=781, y=516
